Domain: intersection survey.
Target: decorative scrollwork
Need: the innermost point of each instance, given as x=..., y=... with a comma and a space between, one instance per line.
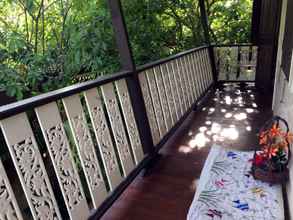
x=35, y=180
x=163, y=98
x=156, y=103
x=104, y=138
x=128, y=114
x=118, y=129
x=7, y=201
x=67, y=173
x=149, y=108
x=87, y=152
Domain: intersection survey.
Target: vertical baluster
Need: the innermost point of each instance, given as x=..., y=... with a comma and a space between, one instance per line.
x=30, y=168
x=187, y=81
x=163, y=97
x=208, y=63
x=200, y=79
x=156, y=103
x=62, y=159
x=178, y=92
x=117, y=128
x=204, y=70
x=183, y=83
x=149, y=107
x=234, y=57
x=130, y=122
x=238, y=62
x=173, y=88
x=103, y=137
x=253, y=61
x=208, y=67
x=9, y=207
x=85, y=148
x=192, y=96
x=196, y=73
x=169, y=95
x=191, y=76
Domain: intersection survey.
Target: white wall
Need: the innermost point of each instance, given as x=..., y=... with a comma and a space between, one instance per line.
x=283, y=98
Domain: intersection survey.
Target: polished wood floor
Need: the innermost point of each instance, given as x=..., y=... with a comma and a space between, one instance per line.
x=231, y=116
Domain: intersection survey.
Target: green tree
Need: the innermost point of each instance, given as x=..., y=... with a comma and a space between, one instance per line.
x=49, y=44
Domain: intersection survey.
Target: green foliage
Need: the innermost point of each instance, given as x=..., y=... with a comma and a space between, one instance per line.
x=230, y=20
x=45, y=45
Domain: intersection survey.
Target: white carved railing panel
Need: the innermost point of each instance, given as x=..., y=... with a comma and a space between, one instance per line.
x=178, y=92
x=244, y=55
x=149, y=108
x=9, y=208
x=209, y=67
x=180, y=77
x=195, y=75
x=199, y=73
x=191, y=82
x=163, y=97
x=254, y=55
x=156, y=102
x=168, y=91
x=174, y=89
x=204, y=68
x=30, y=167
x=204, y=73
x=117, y=128
x=130, y=122
x=102, y=133
x=171, y=87
x=184, y=84
x=187, y=81
x=190, y=78
x=62, y=159
x=85, y=148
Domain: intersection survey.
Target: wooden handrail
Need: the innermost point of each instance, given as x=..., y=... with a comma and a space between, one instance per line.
x=234, y=45
x=170, y=58
x=29, y=103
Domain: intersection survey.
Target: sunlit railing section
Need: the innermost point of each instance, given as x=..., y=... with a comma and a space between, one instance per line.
x=236, y=62
x=171, y=87
x=74, y=150
x=93, y=144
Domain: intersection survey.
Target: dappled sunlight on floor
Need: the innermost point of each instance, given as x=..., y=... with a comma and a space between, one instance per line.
x=228, y=120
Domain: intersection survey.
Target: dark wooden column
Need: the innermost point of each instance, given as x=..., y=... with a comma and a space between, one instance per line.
x=127, y=63
x=204, y=21
x=268, y=18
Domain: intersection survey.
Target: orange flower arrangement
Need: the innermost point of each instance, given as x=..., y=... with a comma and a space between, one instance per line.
x=274, y=148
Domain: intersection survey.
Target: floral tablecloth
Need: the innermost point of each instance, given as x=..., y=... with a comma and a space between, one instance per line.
x=228, y=191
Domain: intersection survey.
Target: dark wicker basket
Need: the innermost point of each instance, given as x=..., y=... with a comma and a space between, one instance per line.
x=268, y=175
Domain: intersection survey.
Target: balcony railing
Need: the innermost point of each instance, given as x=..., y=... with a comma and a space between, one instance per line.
x=236, y=62
x=75, y=150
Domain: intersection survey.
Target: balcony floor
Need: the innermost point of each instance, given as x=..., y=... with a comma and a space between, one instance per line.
x=167, y=192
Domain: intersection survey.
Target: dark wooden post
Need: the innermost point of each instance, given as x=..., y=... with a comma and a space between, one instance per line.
x=204, y=21
x=127, y=62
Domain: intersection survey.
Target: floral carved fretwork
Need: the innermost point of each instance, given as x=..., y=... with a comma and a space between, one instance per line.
x=35, y=180
x=104, y=139
x=9, y=208
x=87, y=151
x=68, y=176
x=128, y=114
x=149, y=108
x=118, y=129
